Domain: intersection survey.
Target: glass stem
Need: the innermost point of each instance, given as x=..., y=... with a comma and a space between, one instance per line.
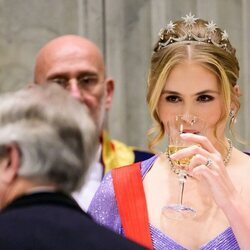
x=182, y=185
x=182, y=176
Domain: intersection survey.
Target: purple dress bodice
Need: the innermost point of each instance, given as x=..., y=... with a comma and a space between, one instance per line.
x=104, y=211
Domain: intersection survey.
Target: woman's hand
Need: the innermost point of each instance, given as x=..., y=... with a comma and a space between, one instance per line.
x=207, y=164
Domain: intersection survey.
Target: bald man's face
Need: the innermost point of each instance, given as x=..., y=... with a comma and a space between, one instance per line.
x=80, y=70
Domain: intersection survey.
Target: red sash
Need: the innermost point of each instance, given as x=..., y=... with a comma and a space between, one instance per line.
x=131, y=204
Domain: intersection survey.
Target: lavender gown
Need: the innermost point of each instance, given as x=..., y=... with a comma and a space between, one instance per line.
x=103, y=209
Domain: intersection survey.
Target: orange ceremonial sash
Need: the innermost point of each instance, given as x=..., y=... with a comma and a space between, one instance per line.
x=131, y=202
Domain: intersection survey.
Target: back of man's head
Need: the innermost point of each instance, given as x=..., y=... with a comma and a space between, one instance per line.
x=54, y=134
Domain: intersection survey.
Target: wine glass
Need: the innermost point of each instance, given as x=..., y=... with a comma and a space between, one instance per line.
x=181, y=124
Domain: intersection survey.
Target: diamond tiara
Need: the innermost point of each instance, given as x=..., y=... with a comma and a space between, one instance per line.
x=169, y=35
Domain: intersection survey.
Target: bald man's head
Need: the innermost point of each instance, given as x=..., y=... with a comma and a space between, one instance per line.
x=65, y=46
x=76, y=64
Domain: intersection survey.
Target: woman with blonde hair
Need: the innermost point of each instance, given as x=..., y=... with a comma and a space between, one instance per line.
x=194, y=72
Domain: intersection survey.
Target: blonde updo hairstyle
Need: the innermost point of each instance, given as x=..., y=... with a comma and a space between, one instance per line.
x=220, y=61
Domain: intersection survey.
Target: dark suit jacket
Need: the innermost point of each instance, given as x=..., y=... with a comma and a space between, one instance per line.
x=53, y=221
x=142, y=155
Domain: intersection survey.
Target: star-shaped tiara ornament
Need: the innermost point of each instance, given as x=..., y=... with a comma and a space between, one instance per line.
x=170, y=35
x=170, y=27
x=189, y=20
x=211, y=27
x=224, y=36
x=161, y=33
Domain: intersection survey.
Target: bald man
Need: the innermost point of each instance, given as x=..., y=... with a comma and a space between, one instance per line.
x=76, y=64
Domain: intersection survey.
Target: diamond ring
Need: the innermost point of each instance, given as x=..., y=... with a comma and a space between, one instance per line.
x=209, y=163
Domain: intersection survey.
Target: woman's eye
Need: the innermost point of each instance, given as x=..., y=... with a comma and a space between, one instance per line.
x=205, y=98
x=173, y=98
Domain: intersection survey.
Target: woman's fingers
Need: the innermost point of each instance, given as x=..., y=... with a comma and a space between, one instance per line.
x=199, y=140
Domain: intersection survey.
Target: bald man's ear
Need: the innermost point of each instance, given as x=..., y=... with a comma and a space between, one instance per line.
x=9, y=164
x=110, y=86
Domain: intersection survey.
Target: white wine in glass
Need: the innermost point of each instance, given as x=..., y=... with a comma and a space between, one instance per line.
x=183, y=162
x=181, y=124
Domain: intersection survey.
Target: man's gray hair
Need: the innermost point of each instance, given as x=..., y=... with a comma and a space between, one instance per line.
x=54, y=133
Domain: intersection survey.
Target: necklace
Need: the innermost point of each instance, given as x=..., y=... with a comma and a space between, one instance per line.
x=225, y=160
x=229, y=153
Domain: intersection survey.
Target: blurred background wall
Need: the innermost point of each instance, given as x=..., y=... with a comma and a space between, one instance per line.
x=125, y=30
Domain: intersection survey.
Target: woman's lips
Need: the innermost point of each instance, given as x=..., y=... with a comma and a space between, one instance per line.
x=191, y=131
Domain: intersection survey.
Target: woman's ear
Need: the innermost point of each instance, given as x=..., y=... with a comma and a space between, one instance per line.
x=237, y=93
x=9, y=164
x=236, y=89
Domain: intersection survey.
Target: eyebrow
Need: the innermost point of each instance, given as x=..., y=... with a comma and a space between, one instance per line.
x=65, y=74
x=208, y=91
x=170, y=92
